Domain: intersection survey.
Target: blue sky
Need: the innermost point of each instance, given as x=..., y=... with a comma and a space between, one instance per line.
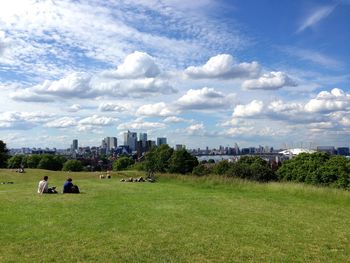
x=206, y=73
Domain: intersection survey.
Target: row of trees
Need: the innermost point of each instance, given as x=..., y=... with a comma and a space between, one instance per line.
x=44, y=161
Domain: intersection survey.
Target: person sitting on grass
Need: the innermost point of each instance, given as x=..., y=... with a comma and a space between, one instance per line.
x=70, y=188
x=43, y=187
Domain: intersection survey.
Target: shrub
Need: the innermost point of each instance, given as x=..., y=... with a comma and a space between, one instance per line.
x=201, y=170
x=182, y=161
x=73, y=166
x=122, y=163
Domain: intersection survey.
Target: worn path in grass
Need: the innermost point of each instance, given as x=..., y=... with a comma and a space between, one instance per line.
x=177, y=219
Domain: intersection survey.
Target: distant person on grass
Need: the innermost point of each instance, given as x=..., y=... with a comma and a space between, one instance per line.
x=43, y=187
x=70, y=188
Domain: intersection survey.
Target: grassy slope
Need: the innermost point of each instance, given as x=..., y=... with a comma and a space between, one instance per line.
x=178, y=219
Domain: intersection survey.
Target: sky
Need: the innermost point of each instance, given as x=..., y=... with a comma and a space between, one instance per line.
x=201, y=73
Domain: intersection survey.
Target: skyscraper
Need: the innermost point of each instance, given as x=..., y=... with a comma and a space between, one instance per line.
x=161, y=140
x=143, y=138
x=109, y=143
x=130, y=139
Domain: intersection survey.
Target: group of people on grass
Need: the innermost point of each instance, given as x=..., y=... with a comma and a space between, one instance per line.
x=68, y=187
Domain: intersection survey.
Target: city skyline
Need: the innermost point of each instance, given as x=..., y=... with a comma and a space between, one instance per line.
x=199, y=74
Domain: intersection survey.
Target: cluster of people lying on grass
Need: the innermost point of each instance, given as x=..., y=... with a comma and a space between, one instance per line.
x=68, y=187
x=150, y=179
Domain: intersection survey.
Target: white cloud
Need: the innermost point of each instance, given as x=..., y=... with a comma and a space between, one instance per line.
x=74, y=108
x=174, y=119
x=223, y=67
x=141, y=124
x=329, y=101
x=116, y=107
x=96, y=120
x=196, y=129
x=205, y=98
x=155, y=109
x=136, y=65
x=63, y=122
x=316, y=16
x=253, y=108
x=269, y=81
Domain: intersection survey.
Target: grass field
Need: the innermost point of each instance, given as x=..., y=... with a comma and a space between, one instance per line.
x=177, y=219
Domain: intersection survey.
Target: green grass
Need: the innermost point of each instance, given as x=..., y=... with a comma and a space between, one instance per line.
x=177, y=219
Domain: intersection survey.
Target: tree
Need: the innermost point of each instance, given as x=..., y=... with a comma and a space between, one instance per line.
x=51, y=162
x=202, y=169
x=16, y=161
x=122, y=163
x=182, y=161
x=33, y=160
x=157, y=159
x=3, y=154
x=73, y=166
x=221, y=167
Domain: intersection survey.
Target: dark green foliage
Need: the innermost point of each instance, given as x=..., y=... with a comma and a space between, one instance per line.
x=247, y=167
x=221, y=167
x=16, y=161
x=157, y=160
x=202, y=169
x=122, y=163
x=73, y=166
x=3, y=154
x=182, y=162
x=33, y=160
x=51, y=162
x=317, y=168
x=211, y=161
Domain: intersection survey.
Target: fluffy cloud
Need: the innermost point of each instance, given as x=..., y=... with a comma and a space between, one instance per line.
x=329, y=101
x=136, y=65
x=141, y=124
x=253, y=108
x=205, y=98
x=195, y=129
x=269, y=81
x=223, y=67
x=107, y=106
x=155, y=109
x=96, y=120
x=74, y=108
x=174, y=119
x=82, y=85
x=23, y=120
x=63, y=122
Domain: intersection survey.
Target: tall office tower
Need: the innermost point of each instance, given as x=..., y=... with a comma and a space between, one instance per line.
x=161, y=140
x=143, y=138
x=109, y=143
x=130, y=139
x=74, y=146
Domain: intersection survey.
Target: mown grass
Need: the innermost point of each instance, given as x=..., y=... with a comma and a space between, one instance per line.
x=177, y=219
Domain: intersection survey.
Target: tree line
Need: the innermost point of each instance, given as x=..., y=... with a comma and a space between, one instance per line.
x=316, y=168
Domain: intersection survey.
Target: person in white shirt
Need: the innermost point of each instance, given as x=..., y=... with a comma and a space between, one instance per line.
x=43, y=186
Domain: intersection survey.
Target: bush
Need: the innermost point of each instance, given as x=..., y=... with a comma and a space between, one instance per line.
x=33, y=160
x=182, y=161
x=16, y=161
x=221, y=167
x=202, y=170
x=73, y=166
x=122, y=163
x=51, y=162
x=317, y=168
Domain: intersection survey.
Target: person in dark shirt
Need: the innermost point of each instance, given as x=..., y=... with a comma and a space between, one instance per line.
x=68, y=186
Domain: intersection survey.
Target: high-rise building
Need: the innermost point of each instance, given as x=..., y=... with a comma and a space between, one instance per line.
x=143, y=138
x=161, y=140
x=109, y=143
x=74, y=146
x=179, y=147
x=130, y=139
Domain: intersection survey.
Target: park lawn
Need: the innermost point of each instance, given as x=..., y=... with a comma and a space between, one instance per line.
x=177, y=219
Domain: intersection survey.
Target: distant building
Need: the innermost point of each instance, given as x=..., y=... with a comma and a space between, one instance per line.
x=327, y=149
x=179, y=147
x=143, y=138
x=130, y=139
x=74, y=147
x=343, y=151
x=161, y=140
x=109, y=144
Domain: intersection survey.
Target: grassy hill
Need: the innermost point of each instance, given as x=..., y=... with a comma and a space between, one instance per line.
x=177, y=219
